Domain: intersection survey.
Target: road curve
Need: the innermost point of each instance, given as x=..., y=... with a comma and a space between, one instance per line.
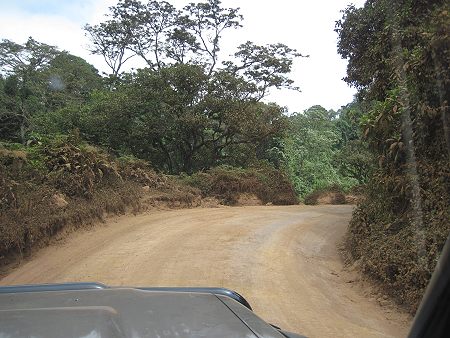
x=284, y=260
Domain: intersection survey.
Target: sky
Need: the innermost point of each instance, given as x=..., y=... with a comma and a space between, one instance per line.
x=305, y=25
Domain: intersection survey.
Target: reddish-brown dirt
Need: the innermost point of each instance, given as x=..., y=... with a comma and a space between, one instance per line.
x=284, y=260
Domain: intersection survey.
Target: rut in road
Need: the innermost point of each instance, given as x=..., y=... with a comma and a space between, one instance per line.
x=284, y=260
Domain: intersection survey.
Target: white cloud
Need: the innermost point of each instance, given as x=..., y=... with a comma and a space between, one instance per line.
x=307, y=26
x=63, y=32
x=304, y=25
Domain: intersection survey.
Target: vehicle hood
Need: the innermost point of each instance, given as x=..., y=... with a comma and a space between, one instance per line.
x=123, y=312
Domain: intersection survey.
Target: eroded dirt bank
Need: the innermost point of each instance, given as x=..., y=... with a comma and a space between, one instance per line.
x=284, y=260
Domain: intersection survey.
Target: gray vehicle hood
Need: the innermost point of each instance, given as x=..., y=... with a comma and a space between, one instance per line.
x=127, y=312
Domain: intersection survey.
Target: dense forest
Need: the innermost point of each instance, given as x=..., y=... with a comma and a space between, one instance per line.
x=399, y=62
x=193, y=117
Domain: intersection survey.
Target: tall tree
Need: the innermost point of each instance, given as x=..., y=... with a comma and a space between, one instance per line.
x=310, y=147
x=186, y=111
x=161, y=34
x=180, y=120
x=111, y=39
x=23, y=65
x=148, y=26
x=399, y=62
x=208, y=20
x=71, y=80
x=264, y=66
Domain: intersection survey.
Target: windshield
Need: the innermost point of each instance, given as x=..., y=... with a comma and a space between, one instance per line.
x=294, y=152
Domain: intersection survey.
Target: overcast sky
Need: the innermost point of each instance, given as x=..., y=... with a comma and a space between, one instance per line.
x=301, y=24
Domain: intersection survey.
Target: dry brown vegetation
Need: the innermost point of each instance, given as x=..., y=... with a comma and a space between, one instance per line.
x=399, y=61
x=330, y=195
x=228, y=184
x=47, y=189
x=400, y=249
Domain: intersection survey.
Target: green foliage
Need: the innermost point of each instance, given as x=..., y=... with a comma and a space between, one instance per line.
x=162, y=35
x=354, y=161
x=316, y=147
x=178, y=119
x=38, y=81
x=399, y=60
x=183, y=113
x=71, y=80
x=23, y=66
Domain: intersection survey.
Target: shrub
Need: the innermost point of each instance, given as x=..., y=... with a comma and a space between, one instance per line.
x=227, y=183
x=333, y=194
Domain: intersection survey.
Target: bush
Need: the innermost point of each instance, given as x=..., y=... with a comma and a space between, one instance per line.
x=60, y=182
x=228, y=183
x=388, y=242
x=331, y=195
x=53, y=183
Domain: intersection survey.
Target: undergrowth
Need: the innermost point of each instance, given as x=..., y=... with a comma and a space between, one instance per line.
x=393, y=243
x=227, y=184
x=57, y=183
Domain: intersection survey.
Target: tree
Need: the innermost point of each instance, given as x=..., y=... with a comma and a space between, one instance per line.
x=352, y=157
x=9, y=121
x=348, y=122
x=354, y=160
x=207, y=21
x=185, y=112
x=399, y=62
x=160, y=34
x=264, y=66
x=71, y=80
x=69, y=84
x=39, y=82
x=24, y=60
x=147, y=26
x=111, y=40
x=310, y=147
x=180, y=120
x=23, y=65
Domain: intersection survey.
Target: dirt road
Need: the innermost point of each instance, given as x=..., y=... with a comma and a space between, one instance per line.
x=284, y=260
